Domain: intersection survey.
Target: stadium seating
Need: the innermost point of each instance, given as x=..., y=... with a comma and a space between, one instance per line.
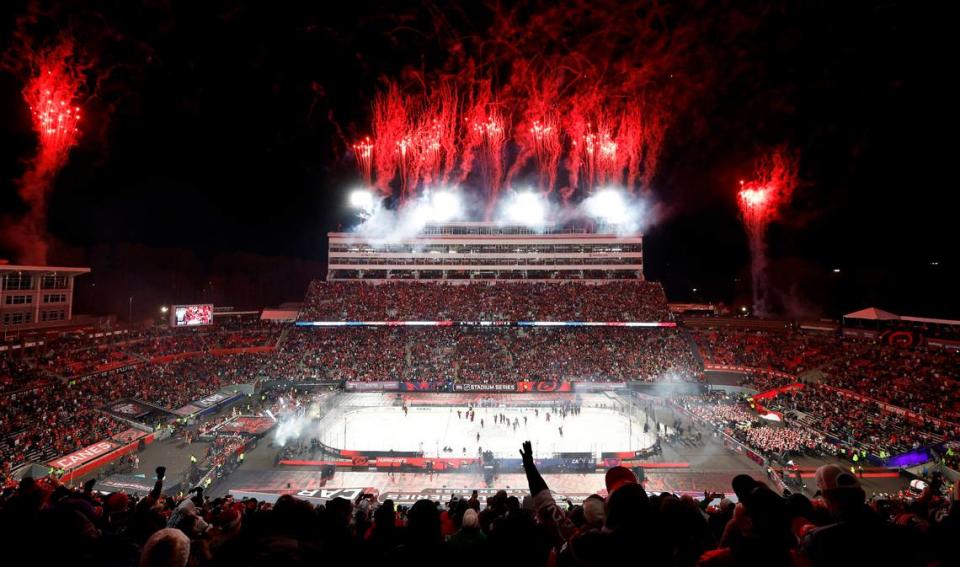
x=488, y=355
x=514, y=301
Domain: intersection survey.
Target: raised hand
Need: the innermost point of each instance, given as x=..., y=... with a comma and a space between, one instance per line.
x=526, y=453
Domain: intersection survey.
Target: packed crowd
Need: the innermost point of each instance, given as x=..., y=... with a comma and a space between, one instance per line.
x=489, y=355
x=923, y=380
x=778, y=440
x=17, y=375
x=858, y=423
x=40, y=424
x=732, y=415
x=718, y=409
x=44, y=423
x=621, y=525
x=793, y=352
x=85, y=361
x=503, y=301
x=763, y=381
x=203, y=340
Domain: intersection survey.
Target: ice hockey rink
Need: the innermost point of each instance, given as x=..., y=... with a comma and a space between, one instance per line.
x=362, y=422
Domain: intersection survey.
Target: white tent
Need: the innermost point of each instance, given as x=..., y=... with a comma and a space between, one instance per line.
x=872, y=314
x=279, y=315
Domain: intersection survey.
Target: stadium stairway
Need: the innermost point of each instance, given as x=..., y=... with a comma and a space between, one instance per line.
x=135, y=356
x=694, y=348
x=282, y=336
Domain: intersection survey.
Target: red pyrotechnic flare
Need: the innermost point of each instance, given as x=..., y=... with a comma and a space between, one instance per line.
x=487, y=135
x=50, y=94
x=363, y=150
x=760, y=201
x=545, y=134
x=483, y=143
x=608, y=167
x=754, y=201
x=439, y=133
x=390, y=126
x=461, y=131
x=761, y=198
x=430, y=151
x=55, y=83
x=577, y=128
x=494, y=136
x=407, y=152
x=597, y=157
x=538, y=134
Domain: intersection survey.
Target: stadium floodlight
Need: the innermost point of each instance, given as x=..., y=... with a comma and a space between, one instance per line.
x=609, y=206
x=361, y=199
x=525, y=208
x=444, y=206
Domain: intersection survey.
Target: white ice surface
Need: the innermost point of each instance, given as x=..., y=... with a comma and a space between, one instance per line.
x=428, y=429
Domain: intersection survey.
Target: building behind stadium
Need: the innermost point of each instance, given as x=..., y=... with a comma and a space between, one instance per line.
x=468, y=251
x=36, y=296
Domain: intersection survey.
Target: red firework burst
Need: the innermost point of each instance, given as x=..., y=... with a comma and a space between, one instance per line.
x=363, y=150
x=762, y=198
x=50, y=93
x=760, y=201
x=465, y=132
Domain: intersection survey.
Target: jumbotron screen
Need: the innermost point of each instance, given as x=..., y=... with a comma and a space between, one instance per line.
x=191, y=315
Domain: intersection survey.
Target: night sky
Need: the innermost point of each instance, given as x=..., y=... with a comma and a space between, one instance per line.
x=215, y=142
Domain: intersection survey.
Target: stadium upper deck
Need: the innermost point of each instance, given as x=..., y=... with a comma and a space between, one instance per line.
x=487, y=251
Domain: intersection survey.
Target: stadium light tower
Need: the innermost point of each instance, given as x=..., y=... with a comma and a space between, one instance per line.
x=444, y=206
x=609, y=206
x=525, y=208
x=361, y=199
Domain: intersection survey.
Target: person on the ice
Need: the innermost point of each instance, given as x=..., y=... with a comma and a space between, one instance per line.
x=481, y=422
x=524, y=421
x=561, y=431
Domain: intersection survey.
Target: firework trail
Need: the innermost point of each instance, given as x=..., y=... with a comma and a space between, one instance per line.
x=407, y=158
x=390, y=125
x=543, y=136
x=430, y=139
x=568, y=98
x=50, y=92
x=474, y=121
x=538, y=135
x=760, y=201
x=438, y=137
x=363, y=150
x=494, y=133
